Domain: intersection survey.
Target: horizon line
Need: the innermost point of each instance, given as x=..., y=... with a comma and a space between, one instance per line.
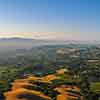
x=48, y=39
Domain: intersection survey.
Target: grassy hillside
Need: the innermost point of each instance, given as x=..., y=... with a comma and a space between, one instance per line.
x=82, y=60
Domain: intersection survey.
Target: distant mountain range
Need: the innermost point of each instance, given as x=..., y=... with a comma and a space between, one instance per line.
x=20, y=43
x=26, y=43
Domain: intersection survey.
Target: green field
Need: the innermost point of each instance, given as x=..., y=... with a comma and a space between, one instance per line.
x=95, y=87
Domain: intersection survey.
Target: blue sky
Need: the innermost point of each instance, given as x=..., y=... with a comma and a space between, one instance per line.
x=50, y=19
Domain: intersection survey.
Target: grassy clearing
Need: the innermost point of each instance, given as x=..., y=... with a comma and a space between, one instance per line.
x=95, y=87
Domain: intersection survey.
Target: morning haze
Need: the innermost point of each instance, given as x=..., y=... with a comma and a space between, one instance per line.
x=49, y=49
x=64, y=19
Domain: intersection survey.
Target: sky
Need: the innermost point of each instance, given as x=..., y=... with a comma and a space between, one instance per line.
x=50, y=19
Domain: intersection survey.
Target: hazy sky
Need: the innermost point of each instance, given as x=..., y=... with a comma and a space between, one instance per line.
x=50, y=19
